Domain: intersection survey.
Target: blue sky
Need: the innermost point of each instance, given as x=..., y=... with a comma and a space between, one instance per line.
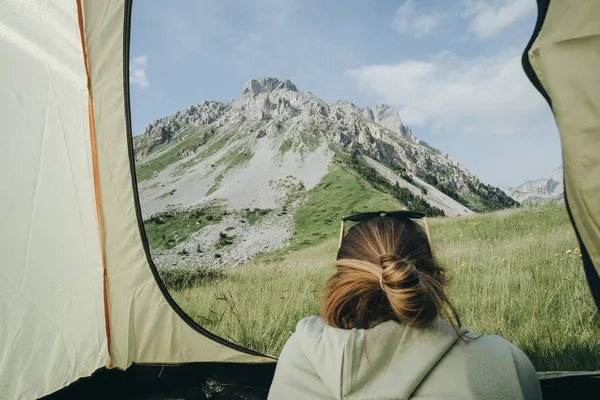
x=452, y=68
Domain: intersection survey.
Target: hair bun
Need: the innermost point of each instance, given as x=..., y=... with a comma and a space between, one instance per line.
x=398, y=272
x=390, y=261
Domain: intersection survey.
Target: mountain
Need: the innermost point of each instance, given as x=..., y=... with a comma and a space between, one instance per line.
x=540, y=190
x=222, y=182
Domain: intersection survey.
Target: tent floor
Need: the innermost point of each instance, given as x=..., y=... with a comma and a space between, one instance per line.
x=173, y=382
x=247, y=382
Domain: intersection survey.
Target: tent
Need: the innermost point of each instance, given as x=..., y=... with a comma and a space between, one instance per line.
x=78, y=291
x=562, y=60
x=80, y=298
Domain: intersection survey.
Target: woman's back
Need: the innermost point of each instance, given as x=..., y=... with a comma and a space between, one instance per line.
x=395, y=361
x=382, y=335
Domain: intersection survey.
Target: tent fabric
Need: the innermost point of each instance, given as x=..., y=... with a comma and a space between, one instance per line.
x=565, y=57
x=144, y=327
x=52, y=326
x=69, y=200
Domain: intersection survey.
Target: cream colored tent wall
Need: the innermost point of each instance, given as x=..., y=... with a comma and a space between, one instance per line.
x=51, y=309
x=144, y=327
x=566, y=59
x=55, y=229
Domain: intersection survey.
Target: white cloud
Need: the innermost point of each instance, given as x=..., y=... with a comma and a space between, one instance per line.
x=477, y=96
x=418, y=23
x=492, y=16
x=137, y=72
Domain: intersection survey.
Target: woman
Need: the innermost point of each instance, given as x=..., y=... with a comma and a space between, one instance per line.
x=389, y=331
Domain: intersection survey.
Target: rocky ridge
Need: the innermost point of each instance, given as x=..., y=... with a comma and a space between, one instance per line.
x=256, y=151
x=540, y=190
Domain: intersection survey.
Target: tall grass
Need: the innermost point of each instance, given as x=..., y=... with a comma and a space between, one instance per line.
x=259, y=304
x=516, y=274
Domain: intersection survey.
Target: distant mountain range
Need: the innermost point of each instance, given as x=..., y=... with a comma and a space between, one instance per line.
x=261, y=161
x=540, y=190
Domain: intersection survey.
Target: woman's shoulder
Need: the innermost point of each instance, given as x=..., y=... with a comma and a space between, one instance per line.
x=490, y=343
x=501, y=355
x=314, y=330
x=309, y=329
x=498, y=348
x=310, y=325
x=478, y=342
x=310, y=320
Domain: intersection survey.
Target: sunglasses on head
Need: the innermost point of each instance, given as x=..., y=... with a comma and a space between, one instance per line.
x=360, y=217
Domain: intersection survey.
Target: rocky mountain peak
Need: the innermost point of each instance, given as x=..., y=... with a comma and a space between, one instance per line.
x=239, y=172
x=254, y=87
x=388, y=117
x=384, y=111
x=540, y=190
x=558, y=174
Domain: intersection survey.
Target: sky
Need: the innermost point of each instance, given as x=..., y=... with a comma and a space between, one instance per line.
x=451, y=68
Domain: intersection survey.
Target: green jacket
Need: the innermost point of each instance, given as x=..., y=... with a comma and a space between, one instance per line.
x=395, y=361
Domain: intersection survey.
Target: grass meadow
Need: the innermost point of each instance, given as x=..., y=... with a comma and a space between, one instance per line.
x=515, y=273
